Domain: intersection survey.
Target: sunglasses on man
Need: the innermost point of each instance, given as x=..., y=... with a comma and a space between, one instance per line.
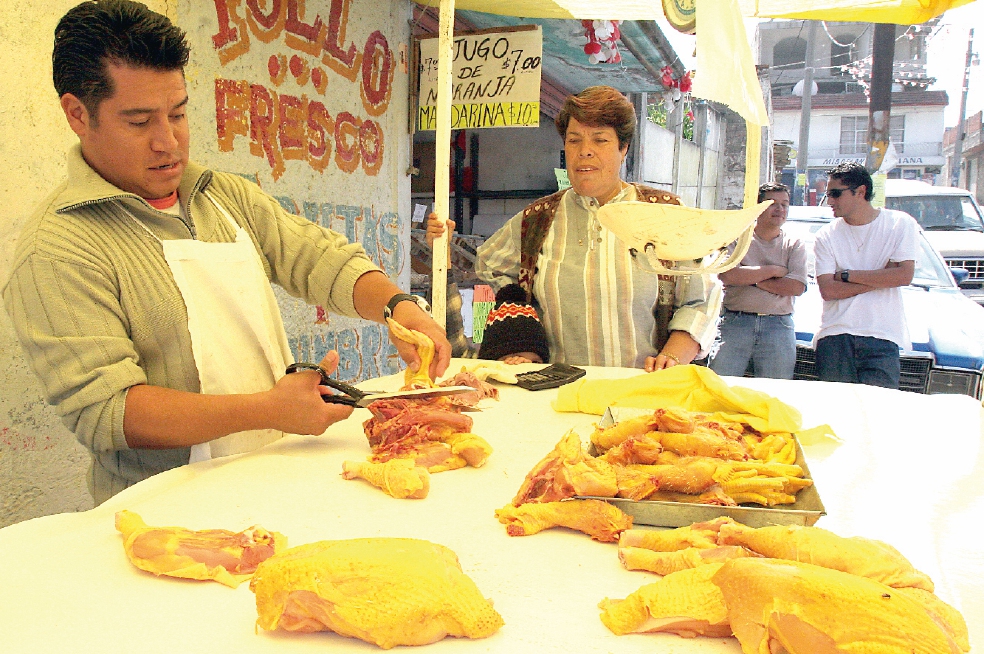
x=837, y=192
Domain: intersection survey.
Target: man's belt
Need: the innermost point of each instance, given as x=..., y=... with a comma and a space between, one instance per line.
x=751, y=313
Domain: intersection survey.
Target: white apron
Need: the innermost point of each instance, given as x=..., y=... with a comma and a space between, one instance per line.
x=237, y=334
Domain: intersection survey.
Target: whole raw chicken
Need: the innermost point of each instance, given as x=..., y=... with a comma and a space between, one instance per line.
x=387, y=591
x=800, y=608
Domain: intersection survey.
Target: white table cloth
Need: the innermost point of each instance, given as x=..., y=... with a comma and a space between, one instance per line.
x=910, y=472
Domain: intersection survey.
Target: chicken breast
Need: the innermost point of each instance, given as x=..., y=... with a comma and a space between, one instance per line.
x=861, y=556
x=218, y=554
x=386, y=591
x=787, y=607
x=686, y=603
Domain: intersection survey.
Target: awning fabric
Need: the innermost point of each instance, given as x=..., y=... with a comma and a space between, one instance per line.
x=902, y=12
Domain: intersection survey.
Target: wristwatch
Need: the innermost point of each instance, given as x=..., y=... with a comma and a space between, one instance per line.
x=405, y=297
x=845, y=275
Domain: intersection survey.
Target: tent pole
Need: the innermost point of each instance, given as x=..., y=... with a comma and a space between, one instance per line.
x=442, y=157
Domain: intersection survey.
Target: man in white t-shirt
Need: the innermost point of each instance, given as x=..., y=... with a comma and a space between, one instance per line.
x=863, y=258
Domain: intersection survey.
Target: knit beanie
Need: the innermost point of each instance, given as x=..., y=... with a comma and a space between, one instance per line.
x=513, y=326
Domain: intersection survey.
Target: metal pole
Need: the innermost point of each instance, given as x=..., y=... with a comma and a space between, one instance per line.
x=880, y=106
x=802, y=151
x=958, y=144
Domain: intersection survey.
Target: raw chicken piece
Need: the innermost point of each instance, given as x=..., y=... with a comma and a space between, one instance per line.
x=664, y=563
x=425, y=350
x=400, y=478
x=598, y=519
x=608, y=437
x=703, y=441
x=472, y=448
x=799, y=608
x=387, y=591
x=565, y=472
x=699, y=534
x=947, y=617
x=685, y=603
x=225, y=556
x=483, y=389
x=635, y=449
x=860, y=556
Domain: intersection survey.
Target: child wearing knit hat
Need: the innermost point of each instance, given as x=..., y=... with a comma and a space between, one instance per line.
x=513, y=332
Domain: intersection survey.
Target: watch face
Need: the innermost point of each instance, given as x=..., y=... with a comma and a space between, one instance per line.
x=681, y=14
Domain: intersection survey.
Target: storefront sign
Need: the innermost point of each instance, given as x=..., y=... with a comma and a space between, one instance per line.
x=496, y=79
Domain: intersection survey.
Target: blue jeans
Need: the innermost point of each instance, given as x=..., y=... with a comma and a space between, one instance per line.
x=769, y=342
x=858, y=360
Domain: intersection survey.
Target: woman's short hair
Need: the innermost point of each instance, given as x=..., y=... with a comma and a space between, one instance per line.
x=599, y=106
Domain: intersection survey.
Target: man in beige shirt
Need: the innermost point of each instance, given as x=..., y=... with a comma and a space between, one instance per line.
x=757, y=325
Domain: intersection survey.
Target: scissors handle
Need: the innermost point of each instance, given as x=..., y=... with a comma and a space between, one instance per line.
x=351, y=394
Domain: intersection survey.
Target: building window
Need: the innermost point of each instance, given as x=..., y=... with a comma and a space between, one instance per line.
x=854, y=134
x=896, y=129
x=789, y=54
x=842, y=55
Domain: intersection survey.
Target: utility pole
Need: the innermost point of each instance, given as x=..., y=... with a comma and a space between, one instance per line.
x=802, y=152
x=880, y=105
x=958, y=144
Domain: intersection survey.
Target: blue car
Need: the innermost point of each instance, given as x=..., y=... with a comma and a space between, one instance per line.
x=946, y=327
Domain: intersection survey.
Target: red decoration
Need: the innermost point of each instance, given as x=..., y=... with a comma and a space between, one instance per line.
x=602, y=46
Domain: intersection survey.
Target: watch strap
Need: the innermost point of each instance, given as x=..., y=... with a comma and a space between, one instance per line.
x=403, y=297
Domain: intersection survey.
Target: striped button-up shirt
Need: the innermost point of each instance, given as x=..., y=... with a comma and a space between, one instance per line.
x=597, y=300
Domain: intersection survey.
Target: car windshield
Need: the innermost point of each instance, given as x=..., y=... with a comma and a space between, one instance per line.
x=930, y=270
x=940, y=213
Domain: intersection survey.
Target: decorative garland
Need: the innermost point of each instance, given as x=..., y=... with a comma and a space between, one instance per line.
x=676, y=88
x=602, y=46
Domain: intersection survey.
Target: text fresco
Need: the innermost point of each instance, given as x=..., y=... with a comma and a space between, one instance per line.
x=304, y=90
x=282, y=126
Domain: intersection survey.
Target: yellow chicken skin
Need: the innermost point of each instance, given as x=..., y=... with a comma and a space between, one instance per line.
x=700, y=534
x=212, y=554
x=600, y=520
x=386, y=591
x=399, y=478
x=686, y=603
x=425, y=350
x=797, y=608
x=664, y=563
x=565, y=472
x=945, y=615
x=860, y=556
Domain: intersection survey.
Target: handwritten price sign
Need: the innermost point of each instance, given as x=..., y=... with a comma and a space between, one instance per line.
x=496, y=79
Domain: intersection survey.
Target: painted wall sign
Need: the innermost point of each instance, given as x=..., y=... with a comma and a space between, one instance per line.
x=283, y=126
x=302, y=97
x=496, y=79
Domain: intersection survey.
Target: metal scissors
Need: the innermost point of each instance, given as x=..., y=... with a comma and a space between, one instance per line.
x=352, y=396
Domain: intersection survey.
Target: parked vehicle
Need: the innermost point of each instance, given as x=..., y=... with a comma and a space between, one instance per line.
x=953, y=224
x=946, y=328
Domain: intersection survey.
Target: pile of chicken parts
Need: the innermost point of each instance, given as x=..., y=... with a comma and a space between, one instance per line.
x=412, y=438
x=783, y=589
x=669, y=455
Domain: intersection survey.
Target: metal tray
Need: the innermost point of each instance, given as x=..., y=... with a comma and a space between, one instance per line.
x=805, y=511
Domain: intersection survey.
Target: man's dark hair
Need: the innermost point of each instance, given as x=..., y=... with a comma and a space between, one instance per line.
x=772, y=187
x=599, y=106
x=119, y=31
x=853, y=175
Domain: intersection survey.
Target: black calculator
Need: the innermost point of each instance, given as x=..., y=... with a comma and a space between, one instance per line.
x=552, y=376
